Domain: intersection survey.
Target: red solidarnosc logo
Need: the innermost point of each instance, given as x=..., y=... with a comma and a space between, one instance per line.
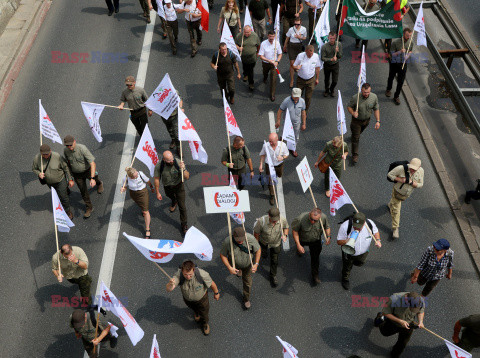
x=158, y=255
x=59, y=207
x=337, y=192
x=230, y=117
x=47, y=118
x=155, y=353
x=107, y=297
x=164, y=94
x=188, y=125
x=151, y=152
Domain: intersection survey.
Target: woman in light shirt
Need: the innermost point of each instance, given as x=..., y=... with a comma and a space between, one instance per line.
x=230, y=13
x=137, y=183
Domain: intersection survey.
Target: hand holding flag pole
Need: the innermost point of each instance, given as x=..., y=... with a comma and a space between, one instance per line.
x=58, y=249
x=248, y=245
x=315, y=204
x=96, y=327
x=408, y=49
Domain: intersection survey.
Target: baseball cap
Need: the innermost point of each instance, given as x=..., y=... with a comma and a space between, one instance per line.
x=441, y=244
x=274, y=214
x=167, y=1
x=358, y=220
x=129, y=80
x=68, y=140
x=78, y=319
x=239, y=234
x=45, y=149
x=296, y=92
x=415, y=163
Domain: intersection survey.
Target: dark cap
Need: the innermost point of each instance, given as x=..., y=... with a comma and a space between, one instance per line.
x=239, y=234
x=130, y=80
x=78, y=319
x=68, y=140
x=274, y=214
x=358, y=220
x=441, y=244
x=45, y=149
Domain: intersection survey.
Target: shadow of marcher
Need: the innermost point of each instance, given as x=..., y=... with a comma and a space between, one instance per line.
x=66, y=345
x=54, y=294
x=25, y=179
x=383, y=286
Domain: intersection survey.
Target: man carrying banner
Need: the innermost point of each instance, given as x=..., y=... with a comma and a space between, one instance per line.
x=278, y=152
x=192, y=17
x=294, y=44
x=267, y=231
x=244, y=254
x=333, y=155
x=398, y=63
x=470, y=338
x=74, y=267
x=240, y=158
x=308, y=66
x=361, y=108
x=368, y=6
x=53, y=171
x=248, y=45
x=223, y=62
x=82, y=165
x=257, y=9
x=332, y=52
x=289, y=10
x=85, y=326
x=307, y=231
x=135, y=97
x=297, y=109
x=194, y=283
x=169, y=169
x=270, y=53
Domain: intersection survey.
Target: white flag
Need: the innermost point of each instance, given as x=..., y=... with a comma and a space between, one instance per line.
x=155, y=352
x=164, y=99
x=276, y=26
x=229, y=40
x=248, y=19
x=92, y=112
x=146, y=151
x=420, y=28
x=113, y=329
x=60, y=217
x=338, y=195
x=198, y=152
x=322, y=29
x=271, y=168
x=161, y=10
x=362, y=75
x=238, y=217
x=288, y=133
x=186, y=132
x=46, y=126
x=341, y=125
x=232, y=126
x=289, y=351
x=457, y=352
x=110, y=302
x=161, y=251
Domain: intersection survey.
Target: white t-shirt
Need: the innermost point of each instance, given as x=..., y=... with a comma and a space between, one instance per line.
x=364, y=239
x=139, y=183
x=267, y=50
x=309, y=65
x=170, y=13
x=192, y=9
x=280, y=150
x=293, y=31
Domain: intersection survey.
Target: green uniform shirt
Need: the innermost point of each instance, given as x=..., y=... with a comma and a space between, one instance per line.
x=397, y=306
x=69, y=269
x=79, y=159
x=242, y=261
x=171, y=175
x=406, y=189
x=471, y=333
x=332, y=152
x=308, y=232
x=328, y=51
x=397, y=45
x=56, y=170
x=239, y=156
x=250, y=46
x=270, y=235
x=88, y=330
x=365, y=106
x=135, y=98
x=192, y=290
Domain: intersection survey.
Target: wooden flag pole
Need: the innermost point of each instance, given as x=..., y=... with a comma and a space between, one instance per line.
x=248, y=245
x=58, y=249
x=338, y=36
x=243, y=35
x=315, y=203
x=96, y=331
x=161, y=269
x=408, y=49
x=313, y=34
x=343, y=150
x=429, y=331
x=368, y=227
x=358, y=98
x=338, y=6
x=181, y=159
x=126, y=175
x=230, y=238
x=218, y=56
x=41, y=143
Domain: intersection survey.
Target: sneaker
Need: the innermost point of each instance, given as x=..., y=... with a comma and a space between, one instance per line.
x=193, y=53
x=325, y=94
x=397, y=101
x=206, y=329
x=355, y=158
x=117, y=10
x=316, y=279
x=88, y=212
x=274, y=281
x=113, y=341
x=332, y=94
x=395, y=233
x=247, y=304
x=379, y=319
x=100, y=188
x=196, y=318
x=110, y=13
x=388, y=93
x=346, y=284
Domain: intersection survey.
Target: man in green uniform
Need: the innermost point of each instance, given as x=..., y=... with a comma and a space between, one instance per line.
x=243, y=257
x=471, y=332
x=268, y=232
x=224, y=62
x=367, y=103
x=82, y=166
x=169, y=169
x=334, y=155
x=331, y=53
x=307, y=231
x=53, y=170
x=194, y=283
x=74, y=267
x=240, y=158
x=248, y=44
x=85, y=328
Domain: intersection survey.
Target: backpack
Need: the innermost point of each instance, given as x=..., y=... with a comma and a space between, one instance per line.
x=350, y=223
x=243, y=151
x=196, y=271
x=393, y=165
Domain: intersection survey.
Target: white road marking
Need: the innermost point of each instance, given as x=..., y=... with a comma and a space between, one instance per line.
x=280, y=197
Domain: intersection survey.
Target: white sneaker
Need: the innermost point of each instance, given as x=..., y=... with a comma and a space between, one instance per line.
x=395, y=234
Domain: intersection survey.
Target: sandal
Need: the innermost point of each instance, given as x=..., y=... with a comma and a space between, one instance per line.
x=149, y=234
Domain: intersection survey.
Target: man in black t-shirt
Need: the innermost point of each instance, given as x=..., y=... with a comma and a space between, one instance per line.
x=223, y=61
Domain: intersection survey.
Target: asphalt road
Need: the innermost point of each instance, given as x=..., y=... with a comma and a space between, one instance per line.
x=318, y=321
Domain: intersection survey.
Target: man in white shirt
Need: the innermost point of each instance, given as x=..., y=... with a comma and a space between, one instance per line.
x=314, y=5
x=294, y=43
x=171, y=24
x=308, y=66
x=270, y=53
x=352, y=225
x=278, y=152
x=192, y=16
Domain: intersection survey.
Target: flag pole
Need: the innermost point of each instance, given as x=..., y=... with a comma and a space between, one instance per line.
x=343, y=149
x=41, y=143
x=358, y=97
x=429, y=331
x=58, y=249
x=228, y=137
x=181, y=158
x=314, y=26
x=125, y=182
x=368, y=227
x=315, y=203
x=242, y=39
x=338, y=6
x=96, y=330
x=161, y=269
x=338, y=34
x=246, y=239
x=408, y=49
x=230, y=239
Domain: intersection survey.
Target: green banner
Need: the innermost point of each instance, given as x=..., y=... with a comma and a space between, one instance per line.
x=386, y=23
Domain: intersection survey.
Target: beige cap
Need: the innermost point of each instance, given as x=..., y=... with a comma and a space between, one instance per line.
x=415, y=163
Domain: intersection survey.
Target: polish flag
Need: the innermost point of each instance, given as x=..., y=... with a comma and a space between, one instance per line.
x=202, y=5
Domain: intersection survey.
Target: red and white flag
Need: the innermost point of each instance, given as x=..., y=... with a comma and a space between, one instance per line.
x=155, y=352
x=420, y=28
x=111, y=303
x=92, y=112
x=238, y=217
x=46, y=126
x=229, y=41
x=146, y=151
x=457, y=352
x=341, y=125
x=232, y=126
x=202, y=5
x=60, y=217
x=338, y=195
x=186, y=132
x=288, y=134
x=362, y=75
x=289, y=351
x=164, y=99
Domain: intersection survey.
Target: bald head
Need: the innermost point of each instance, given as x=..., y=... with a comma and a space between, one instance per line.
x=168, y=157
x=273, y=139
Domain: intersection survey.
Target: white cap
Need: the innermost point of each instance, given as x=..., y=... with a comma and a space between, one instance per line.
x=167, y=1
